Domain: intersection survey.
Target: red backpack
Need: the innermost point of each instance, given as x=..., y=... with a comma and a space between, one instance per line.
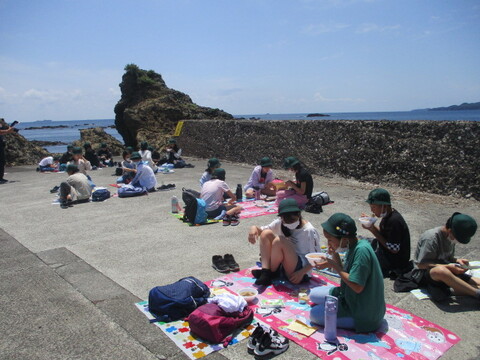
x=212, y=323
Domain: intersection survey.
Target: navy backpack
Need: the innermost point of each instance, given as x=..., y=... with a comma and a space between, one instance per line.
x=175, y=301
x=100, y=194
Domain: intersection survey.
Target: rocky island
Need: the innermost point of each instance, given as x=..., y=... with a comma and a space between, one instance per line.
x=149, y=110
x=464, y=106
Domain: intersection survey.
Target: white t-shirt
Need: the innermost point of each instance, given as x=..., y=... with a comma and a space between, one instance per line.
x=305, y=240
x=46, y=161
x=212, y=193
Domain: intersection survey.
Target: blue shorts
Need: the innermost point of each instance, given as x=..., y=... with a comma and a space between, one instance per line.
x=214, y=213
x=280, y=272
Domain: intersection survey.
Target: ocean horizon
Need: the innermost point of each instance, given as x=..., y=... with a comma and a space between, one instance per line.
x=71, y=132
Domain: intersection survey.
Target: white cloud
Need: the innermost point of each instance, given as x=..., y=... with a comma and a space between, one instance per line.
x=371, y=27
x=318, y=29
x=320, y=98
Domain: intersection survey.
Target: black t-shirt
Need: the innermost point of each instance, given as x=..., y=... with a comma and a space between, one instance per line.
x=92, y=157
x=66, y=157
x=304, y=176
x=395, y=231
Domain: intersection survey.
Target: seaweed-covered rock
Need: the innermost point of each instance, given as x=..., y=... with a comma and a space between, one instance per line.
x=149, y=110
x=97, y=136
x=20, y=151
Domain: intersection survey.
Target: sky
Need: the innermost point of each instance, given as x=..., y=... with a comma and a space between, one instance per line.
x=64, y=59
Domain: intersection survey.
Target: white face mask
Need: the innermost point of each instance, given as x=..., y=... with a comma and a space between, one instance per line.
x=342, y=249
x=292, y=225
x=383, y=214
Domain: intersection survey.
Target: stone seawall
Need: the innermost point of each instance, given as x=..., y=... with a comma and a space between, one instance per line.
x=440, y=157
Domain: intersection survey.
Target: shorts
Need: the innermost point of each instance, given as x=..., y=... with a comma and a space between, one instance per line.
x=281, y=274
x=214, y=213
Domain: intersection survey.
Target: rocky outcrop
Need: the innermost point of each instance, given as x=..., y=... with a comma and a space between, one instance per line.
x=97, y=136
x=440, y=157
x=20, y=151
x=149, y=110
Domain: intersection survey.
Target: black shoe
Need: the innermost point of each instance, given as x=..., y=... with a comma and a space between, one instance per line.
x=226, y=220
x=171, y=186
x=255, y=338
x=219, y=264
x=3, y=181
x=265, y=278
x=163, y=188
x=234, y=220
x=63, y=205
x=231, y=263
x=55, y=189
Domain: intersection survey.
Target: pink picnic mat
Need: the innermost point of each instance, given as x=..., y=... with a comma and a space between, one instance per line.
x=250, y=209
x=401, y=336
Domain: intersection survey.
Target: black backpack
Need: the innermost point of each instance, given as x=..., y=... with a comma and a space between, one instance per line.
x=175, y=301
x=100, y=194
x=190, y=197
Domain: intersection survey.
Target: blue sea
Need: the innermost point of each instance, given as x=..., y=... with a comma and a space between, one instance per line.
x=71, y=133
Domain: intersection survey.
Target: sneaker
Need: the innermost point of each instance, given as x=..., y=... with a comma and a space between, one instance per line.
x=234, y=220
x=163, y=188
x=3, y=181
x=255, y=338
x=54, y=189
x=227, y=220
x=63, y=205
x=230, y=261
x=219, y=264
x=171, y=186
x=271, y=344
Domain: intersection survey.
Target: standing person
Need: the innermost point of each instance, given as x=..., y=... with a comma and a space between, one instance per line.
x=212, y=164
x=91, y=156
x=6, y=131
x=361, y=299
x=300, y=190
x=76, y=189
x=144, y=176
x=213, y=193
x=284, y=244
x=392, y=237
x=261, y=180
x=436, y=266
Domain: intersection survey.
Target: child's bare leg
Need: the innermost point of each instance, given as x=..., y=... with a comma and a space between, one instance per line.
x=266, y=239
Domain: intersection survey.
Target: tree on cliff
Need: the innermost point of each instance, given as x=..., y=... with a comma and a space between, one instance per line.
x=149, y=110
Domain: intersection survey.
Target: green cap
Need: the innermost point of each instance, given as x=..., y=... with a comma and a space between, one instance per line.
x=463, y=227
x=77, y=150
x=135, y=156
x=213, y=162
x=340, y=225
x=265, y=161
x=219, y=173
x=130, y=149
x=290, y=162
x=69, y=147
x=144, y=145
x=172, y=141
x=379, y=196
x=72, y=168
x=288, y=206
x=87, y=144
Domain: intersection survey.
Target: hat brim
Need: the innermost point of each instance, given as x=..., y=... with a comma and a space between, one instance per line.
x=377, y=202
x=289, y=209
x=266, y=165
x=329, y=229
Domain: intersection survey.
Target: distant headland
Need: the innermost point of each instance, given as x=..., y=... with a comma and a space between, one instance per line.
x=464, y=106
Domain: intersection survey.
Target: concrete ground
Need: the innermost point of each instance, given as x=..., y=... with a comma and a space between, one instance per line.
x=69, y=277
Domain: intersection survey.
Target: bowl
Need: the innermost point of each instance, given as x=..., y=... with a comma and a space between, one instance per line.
x=316, y=257
x=249, y=293
x=367, y=220
x=260, y=203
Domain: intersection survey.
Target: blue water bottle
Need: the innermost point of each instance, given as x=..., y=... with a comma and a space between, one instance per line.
x=331, y=307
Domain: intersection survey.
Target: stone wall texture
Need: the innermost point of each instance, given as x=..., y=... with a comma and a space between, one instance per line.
x=440, y=157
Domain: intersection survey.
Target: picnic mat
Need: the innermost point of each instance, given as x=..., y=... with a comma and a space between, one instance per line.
x=250, y=209
x=179, y=216
x=402, y=335
x=422, y=294
x=193, y=347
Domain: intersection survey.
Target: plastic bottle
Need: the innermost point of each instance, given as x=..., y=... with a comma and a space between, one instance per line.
x=238, y=193
x=174, y=204
x=331, y=307
x=257, y=194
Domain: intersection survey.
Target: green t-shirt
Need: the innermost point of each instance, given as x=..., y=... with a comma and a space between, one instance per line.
x=368, y=307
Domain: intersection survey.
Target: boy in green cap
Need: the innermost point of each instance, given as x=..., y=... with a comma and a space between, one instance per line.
x=212, y=164
x=392, y=237
x=261, y=180
x=436, y=266
x=75, y=189
x=361, y=300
